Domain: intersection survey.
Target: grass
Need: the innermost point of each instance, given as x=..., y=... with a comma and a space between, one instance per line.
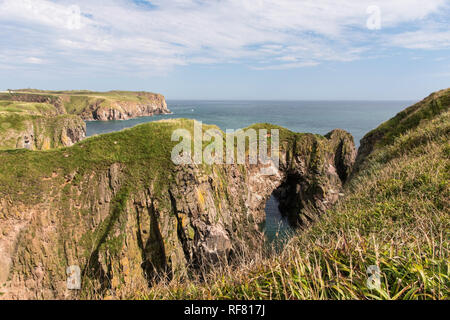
x=411, y=117
x=31, y=108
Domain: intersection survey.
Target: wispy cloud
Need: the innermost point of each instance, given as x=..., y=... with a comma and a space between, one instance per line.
x=155, y=36
x=422, y=39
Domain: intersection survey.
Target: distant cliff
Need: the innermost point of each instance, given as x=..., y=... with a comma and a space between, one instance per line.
x=103, y=106
x=41, y=120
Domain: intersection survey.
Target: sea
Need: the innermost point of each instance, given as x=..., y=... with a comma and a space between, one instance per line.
x=356, y=117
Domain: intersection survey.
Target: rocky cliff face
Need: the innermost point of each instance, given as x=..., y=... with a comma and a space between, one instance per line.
x=151, y=105
x=102, y=106
x=117, y=207
x=41, y=133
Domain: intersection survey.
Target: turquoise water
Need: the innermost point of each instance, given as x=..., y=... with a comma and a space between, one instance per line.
x=357, y=117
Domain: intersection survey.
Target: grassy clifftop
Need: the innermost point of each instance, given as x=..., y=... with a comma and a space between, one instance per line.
x=91, y=105
x=408, y=119
x=395, y=216
x=24, y=172
x=122, y=94
x=32, y=108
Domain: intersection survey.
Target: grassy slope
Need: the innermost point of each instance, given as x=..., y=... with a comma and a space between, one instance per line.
x=395, y=215
x=27, y=108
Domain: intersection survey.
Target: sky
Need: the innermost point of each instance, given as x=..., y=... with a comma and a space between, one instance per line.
x=229, y=49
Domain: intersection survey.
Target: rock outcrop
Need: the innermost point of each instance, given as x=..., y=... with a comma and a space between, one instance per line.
x=150, y=105
x=117, y=207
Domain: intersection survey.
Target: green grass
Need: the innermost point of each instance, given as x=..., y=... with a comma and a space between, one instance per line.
x=411, y=117
x=15, y=121
x=137, y=148
x=26, y=108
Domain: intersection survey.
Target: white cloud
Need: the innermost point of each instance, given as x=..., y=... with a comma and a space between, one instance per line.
x=424, y=39
x=285, y=66
x=264, y=34
x=34, y=60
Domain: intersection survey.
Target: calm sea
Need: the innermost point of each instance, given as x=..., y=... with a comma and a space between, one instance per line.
x=357, y=117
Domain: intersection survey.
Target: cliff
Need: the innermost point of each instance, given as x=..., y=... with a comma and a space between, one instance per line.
x=103, y=106
x=41, y=120
x=37, y=126
x=117, y=206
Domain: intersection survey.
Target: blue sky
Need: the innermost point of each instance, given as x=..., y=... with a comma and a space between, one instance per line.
x=229, y=49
